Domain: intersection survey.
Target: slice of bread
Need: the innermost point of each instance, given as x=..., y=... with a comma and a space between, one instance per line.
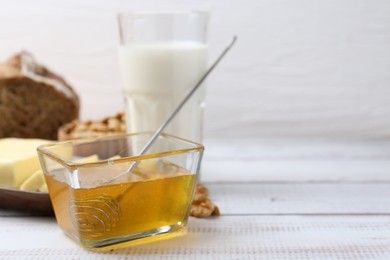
x=34, y=102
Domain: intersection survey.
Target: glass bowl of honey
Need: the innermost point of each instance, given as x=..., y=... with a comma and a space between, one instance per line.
x=105, y=195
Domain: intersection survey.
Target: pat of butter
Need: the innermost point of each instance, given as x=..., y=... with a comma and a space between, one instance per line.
x=18, y=160
x=36, y=182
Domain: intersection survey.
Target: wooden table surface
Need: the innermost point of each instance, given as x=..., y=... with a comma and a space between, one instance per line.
x=337, y=207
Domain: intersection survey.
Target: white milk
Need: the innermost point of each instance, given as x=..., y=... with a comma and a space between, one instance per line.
x=156, y=77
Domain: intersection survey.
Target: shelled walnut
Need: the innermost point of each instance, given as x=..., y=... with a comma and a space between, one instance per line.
x=109, y=125
x=202, y=206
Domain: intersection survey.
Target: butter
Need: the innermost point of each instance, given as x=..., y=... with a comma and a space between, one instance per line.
x=18, y=160
x=36, y=182
x=88, y=159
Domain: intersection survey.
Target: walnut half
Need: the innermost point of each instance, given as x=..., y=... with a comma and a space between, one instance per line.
x=202, y=206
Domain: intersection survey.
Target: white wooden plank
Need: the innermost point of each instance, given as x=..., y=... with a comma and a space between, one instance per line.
x=306, y=148
x=229, y=237
x=298, y=170
x=296, y=160
x=301, y=198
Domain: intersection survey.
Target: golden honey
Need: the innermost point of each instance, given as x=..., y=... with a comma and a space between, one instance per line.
x=109, y=214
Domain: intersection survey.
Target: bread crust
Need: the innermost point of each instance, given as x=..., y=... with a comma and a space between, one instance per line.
x=34, y=102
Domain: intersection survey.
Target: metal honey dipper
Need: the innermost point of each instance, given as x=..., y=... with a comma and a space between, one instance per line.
x=182, y=103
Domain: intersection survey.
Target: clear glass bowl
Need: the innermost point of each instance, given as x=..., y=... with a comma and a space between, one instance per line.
x=101, y=205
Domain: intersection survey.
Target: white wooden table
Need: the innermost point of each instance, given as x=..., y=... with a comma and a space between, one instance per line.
x=279, y=200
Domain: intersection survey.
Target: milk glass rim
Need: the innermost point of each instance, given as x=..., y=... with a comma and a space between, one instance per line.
x=162, y=12
x=43, y=151
x=131, y=16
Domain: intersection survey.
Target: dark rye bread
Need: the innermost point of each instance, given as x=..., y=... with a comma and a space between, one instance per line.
x=34, y=102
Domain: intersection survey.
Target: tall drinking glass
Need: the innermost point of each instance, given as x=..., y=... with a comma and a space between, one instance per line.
x=162, y=56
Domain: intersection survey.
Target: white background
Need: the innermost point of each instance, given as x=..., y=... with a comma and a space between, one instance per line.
x=300, y=68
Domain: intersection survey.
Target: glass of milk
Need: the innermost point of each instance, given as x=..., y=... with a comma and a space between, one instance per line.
x=162, y=56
